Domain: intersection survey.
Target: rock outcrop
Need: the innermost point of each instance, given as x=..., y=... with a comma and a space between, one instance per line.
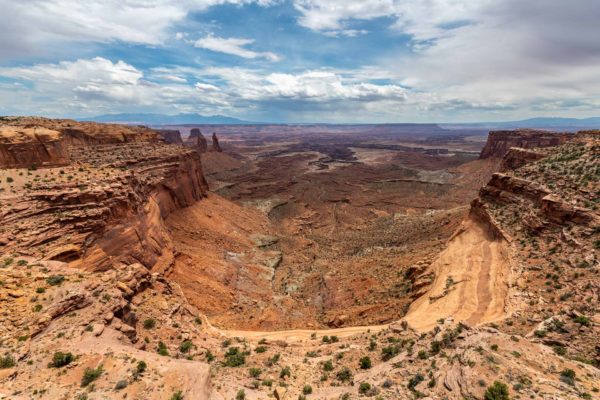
x=499, y=142
x=215, y=143
x=170, y=136
x=197, y=140
x=30, y=147
x=107, y=206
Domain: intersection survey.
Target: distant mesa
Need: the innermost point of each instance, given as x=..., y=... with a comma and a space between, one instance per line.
x=170, y=136
x=499, y=142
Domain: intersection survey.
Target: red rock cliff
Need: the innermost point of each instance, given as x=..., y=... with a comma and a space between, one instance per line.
x=499, y=142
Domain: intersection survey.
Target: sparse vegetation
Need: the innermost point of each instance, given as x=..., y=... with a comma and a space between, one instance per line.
x=91, y=374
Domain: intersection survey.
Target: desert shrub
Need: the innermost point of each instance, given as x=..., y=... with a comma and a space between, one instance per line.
x=344, y=374
x=260, y=349
x=328, y=366
x=255, y=372
x=91, y=374
x=7, y=361
x=307, y=389
x=55, y=280
x=141, y=367
x=365, y=362
x=364, y=387
x=40, y=290
x=568, y=376
x=422, y=355
x=241, y=395
x=389, y=352
x=61, y=359
x=285, y=372
x=498, y=391
x=185, y=346
x=162, y=349
x=435, y=347
x=149, y=323
x=177, y=395
x=234, y=358
x=415, y=380
x=582, y=320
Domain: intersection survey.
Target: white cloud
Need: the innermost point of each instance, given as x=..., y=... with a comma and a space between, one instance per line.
x=422, y=19
x=29, y=27
x=233, y=46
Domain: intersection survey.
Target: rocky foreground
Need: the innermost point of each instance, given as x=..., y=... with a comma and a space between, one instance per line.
x=509, y=309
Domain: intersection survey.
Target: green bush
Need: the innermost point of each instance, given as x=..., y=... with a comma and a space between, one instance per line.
x=255, y=372
x=364, y=387
x=241, y=395
x=55, y=280
x=285, y=372
x=7, y=362
x=234, y=358
x=141, y=367
x=61, y=359
x=365, y=362
x=344, y=375
x=177, y=395
x=162, y=349
x=91, y=374
x=389, y=352
x=328, y=366
x=498, y=391
x=149, y=323
x=307, y=389
x=185, y=346
x=568, y=376
x=415, y=380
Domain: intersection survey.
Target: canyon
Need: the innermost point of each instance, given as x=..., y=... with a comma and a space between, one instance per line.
x=277, y=260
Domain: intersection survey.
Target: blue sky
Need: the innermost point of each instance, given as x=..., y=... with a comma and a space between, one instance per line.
x=302, y=60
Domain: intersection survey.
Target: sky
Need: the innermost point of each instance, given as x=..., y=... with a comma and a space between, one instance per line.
x=302, y=60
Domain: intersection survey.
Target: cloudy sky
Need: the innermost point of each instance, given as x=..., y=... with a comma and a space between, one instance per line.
x=302, y=60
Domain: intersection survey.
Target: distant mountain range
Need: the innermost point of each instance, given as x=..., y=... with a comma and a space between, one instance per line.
x=559, y=124
x=163, y=119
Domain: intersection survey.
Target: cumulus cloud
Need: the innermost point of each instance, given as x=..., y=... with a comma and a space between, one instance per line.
x=422, y=19
x=233, y=46
x=28, y=27
x=91, y=85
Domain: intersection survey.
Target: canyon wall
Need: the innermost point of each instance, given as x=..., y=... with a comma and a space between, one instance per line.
x=107, y=206
x=32, y=147
x=499, y=142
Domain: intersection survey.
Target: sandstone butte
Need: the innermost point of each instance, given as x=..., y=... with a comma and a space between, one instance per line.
x=92, y=307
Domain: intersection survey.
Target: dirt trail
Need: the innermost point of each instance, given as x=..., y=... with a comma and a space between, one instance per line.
x=295, y=335
x=471, y=281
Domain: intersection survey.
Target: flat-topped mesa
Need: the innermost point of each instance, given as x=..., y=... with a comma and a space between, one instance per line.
x=170, y=136
x=215, y=143
x=499, y=142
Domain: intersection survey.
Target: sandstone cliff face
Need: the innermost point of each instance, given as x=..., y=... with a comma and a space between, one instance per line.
x=499, y=142
x=170, y=136
x=36, y=141
x=31, y=147
x=106, y=207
